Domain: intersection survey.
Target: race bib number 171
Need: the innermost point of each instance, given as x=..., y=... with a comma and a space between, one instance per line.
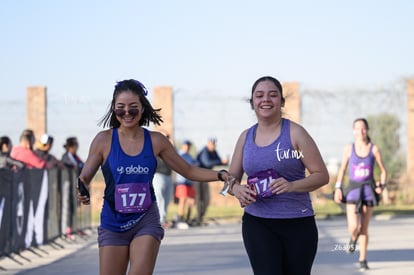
x=260, y=182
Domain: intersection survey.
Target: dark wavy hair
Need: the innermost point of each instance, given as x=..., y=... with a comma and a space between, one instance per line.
x=148, y=115
x=266, y=78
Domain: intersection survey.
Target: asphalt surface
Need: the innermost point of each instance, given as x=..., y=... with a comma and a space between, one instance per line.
x=217, y=248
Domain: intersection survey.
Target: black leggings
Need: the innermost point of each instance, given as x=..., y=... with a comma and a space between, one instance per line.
x=280, y=246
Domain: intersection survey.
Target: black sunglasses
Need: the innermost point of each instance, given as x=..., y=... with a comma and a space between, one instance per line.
x=122, y=112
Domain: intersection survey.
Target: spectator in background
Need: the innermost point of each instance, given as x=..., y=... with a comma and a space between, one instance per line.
x=207, y=158
x=5, y=160
x=24, y=151
x=70, y=158
x=163, y=186
x=43, y=151
x=185, y=192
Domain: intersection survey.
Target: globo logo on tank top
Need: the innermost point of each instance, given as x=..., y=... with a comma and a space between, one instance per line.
x=132, y=170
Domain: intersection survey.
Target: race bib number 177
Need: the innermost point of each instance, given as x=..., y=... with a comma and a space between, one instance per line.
x=132, y=197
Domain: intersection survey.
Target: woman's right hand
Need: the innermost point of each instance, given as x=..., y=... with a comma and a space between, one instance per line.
x=84, y=199
x=83, y=195
x=244, y=194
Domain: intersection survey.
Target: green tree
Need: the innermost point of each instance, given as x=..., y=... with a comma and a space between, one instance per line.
x=384, y=133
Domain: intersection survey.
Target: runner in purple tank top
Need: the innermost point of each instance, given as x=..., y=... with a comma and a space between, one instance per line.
x=130, y=232
x=279, y=229
x=362, y=191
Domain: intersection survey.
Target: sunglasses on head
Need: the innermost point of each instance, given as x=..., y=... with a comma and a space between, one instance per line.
x=122, y=112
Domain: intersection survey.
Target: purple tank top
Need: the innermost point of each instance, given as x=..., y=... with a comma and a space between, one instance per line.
x=361, y=168
x=281, y=157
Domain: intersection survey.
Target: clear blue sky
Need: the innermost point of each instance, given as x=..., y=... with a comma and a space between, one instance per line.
x=78, y=49
x=82, y=47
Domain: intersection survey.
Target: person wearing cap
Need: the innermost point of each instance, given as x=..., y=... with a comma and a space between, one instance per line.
x=185, y=192
x=70, y=158
x=207, y=158
x=43, y=151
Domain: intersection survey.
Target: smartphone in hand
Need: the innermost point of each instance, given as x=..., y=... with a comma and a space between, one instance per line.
x=82, y=189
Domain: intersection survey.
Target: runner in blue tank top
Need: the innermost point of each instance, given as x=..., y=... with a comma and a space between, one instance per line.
x=362, y=191
x=130, y=231
x=279, y=230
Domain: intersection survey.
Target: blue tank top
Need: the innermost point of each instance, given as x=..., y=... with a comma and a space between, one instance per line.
x=361, y=169
x=281, y=157
x=120, y=168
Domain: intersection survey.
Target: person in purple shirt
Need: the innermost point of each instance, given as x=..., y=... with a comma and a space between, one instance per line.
x=278, y=225
x=362, y=192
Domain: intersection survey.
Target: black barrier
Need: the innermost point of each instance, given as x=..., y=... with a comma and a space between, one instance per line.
x=69, y=202
x=54, y=205
x=37, y=206
x=6, y=184
x=20, y=202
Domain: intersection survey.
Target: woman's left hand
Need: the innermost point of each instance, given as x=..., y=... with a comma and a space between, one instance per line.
x=280, y=185
x=379, y=187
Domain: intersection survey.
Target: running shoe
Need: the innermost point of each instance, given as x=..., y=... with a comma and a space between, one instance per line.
x=363, y=265
x=352, y=245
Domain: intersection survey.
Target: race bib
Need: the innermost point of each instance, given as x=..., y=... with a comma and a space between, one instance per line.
x=132, y=197
x=361, y=172
x=260, y=182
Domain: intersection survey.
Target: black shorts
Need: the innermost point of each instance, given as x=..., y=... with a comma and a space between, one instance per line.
x=280, y=246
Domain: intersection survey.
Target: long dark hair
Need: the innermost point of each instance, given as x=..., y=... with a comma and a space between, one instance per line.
x=366, y=126
x=148, y=115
